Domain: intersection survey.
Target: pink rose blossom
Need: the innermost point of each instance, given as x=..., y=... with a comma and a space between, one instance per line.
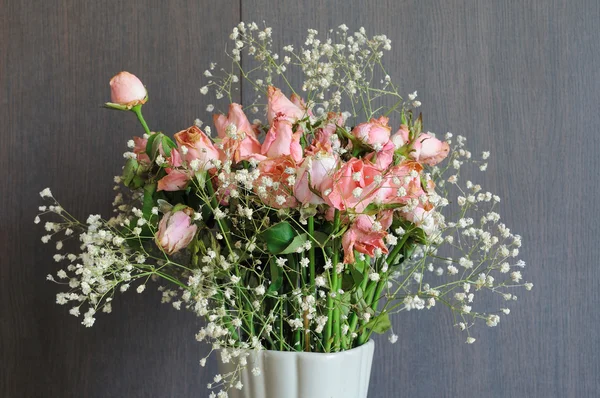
x=273, y=185
x=429, y=150
x=353, y=186
x=279, y=105
x=363, y=238
x=317, y=169
x=384, y=157
x=400, y=138
x=126, y=89
x=175, y=159
x=198, y=147
x=243, y=145
x=322, y=141
x=375, y=133
x=140, y=149
x=281, y=141
x=175, y=231
x=398, y=186
x=175, y=180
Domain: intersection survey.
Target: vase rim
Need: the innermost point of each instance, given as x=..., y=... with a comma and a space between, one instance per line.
x=367, y=345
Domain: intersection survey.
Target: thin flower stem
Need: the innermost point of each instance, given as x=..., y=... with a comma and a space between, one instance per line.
x=331, y=312
x=311, y=253
x=138, y=112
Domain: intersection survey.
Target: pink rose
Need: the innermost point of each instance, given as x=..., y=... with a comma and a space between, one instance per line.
x=299, y=102
x=275, y=183
x=281, y=140
x=384, y=157
x=175, y=159
x=322, y=141
x=126, y=89
x=175, y=231
x=279, y=105
x=198, y=147
x=353, y=186
x=399, y=185
x=363, y=238
x=140, y=149
x=315, y=169
x=241, y=143
x=400, y=138
x=429, y=150
x=175, y=180
x=375, y=133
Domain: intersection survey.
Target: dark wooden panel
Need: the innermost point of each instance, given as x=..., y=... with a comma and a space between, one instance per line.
x=521, y=79
x=56, y=60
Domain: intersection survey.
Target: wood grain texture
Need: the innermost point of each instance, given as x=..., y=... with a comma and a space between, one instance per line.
x=519, y=78
x=56, y=60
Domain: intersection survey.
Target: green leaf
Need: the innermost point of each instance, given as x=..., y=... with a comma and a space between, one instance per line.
x=148, y=202
x=298, y=241
x=320, y=237
x=276, y=276
x=136, y=182
x=278, y=237
x=150, y=144
x=165, y=145
x=357, y=276
x=118, y=107
x=129, y=171
x=380, y=324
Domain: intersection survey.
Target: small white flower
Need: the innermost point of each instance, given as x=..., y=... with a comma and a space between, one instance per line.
x=141, y=288
x=280, y=261
x=516, y=276
x=356, y=192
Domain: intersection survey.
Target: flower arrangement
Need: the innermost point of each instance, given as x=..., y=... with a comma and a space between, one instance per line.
x=303, y=231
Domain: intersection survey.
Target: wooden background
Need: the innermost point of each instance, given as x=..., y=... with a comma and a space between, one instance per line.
x=518, y=77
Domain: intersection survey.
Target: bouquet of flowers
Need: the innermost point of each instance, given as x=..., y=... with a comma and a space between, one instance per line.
x=303, y=230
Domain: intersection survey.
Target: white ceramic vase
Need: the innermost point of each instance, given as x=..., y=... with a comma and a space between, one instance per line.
x=306, y=375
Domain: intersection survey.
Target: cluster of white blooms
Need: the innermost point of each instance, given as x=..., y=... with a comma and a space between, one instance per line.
x=482, y=251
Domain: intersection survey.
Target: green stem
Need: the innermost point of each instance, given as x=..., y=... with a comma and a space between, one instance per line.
x=311, y=253
x=331, y=313
x=138, y=112
x=393, y=108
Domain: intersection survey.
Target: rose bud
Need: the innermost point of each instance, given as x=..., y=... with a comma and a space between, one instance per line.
x=127, y=90
x=175, y=231
x=375, y=133
x=401, y=137
x=430, y=150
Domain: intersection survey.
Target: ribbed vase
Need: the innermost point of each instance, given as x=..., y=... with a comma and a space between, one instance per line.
x=306, y=375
